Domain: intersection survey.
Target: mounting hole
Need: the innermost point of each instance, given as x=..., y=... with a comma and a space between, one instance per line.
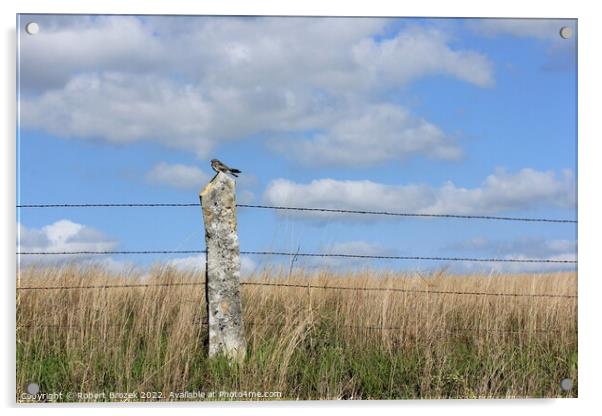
x=566, y=384
x=566, y=32
x=32, y=28
x=33, y=388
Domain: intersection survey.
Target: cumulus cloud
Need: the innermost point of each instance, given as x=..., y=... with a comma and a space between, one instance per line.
x=177, y=175
x=187, y=177
x=354, y=247
x=417, y=52
x=122, y=109
x=71, y=45
x=545, y=29
x=122, y=79
x=527, y=246
x=377, y=134
x=501, y=191
x=245, y=197
x=519, y=248
x=190, y=263
x=561, y=54
x=358, y=247
x=62, y=235
x=197, y=264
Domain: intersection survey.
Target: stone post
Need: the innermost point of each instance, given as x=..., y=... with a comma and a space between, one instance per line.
x=222, y=278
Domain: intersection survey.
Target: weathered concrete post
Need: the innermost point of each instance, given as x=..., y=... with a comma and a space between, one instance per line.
x=226, y=331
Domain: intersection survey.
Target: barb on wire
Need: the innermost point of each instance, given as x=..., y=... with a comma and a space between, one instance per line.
x=72, y=326
x=296, y=254
x=203, y=323
x=366, y=256
x=455, y=330
x=304, y=209
x=407, y=214
x=110, y=205
x=109, y=252
x=304, y=286
x=397, y=289
x=114, y=286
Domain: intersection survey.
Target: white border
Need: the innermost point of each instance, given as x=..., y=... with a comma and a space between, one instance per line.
x=588, y=171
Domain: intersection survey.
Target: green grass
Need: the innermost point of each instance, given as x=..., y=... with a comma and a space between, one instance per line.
x=306, y=347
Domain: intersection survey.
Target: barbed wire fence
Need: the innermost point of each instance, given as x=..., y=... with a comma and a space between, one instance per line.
x=302, y=254
x=202, y=323
x=304, y=286
x=299, y=254
x=301, y=209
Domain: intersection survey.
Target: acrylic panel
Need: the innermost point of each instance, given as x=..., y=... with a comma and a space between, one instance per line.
x=282, y=208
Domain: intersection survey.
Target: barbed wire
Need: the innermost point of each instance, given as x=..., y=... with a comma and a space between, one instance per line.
x=60, y=326
x=303, y=286
x=202, y=321
x=109, y=252
x=404, y=290
x=297, y=254
x=455, y=330
x=383, y=257
x=408, y=214
x=305, y=209
x=110, y=205
x=270, y=324
x=113, y=286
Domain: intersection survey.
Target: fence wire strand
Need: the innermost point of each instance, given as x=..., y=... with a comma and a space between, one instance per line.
x=203, y=323
x=297, y=254
x=305, y=209
x=302, y=286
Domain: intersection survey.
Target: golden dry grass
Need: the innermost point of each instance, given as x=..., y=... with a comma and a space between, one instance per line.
x=304, y=342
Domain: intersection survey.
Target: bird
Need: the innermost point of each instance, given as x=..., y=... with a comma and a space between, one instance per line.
x=218, y=166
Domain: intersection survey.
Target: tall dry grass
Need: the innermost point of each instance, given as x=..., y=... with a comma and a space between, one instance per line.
x=307, y=343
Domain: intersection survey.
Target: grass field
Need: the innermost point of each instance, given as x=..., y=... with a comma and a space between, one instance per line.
x=306, y=343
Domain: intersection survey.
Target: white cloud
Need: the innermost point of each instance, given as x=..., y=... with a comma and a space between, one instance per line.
x=524, y=248
x=501, y=191
x=197, y=264
x=545, y=29
x=177, y=175
x=62, y=235
x=245, y=197
x=561, y=54
x=89, y=44
x=247, y=265
x=527, y=246
x=191, y=263
x=123, y=109
x=359, y=247
x=417, y=52
x=191, y=177
x=123, y=267
x=193, y=83
x=377, y=134
x=356, y=247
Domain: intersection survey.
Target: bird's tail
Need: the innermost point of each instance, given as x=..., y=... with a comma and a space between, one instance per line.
x=235, y=172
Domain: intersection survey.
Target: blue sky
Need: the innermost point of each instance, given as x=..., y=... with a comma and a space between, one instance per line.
x=459, y=116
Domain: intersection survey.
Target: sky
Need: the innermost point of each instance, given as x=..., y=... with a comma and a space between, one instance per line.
x=431, y=116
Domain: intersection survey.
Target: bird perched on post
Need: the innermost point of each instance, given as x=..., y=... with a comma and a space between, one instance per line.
x=218, y=166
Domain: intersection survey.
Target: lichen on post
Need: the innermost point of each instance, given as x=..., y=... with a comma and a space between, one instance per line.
x=222, y=279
